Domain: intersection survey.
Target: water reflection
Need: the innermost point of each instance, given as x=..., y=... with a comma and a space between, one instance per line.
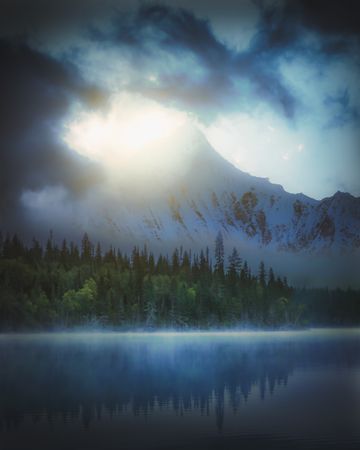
x=96, y=377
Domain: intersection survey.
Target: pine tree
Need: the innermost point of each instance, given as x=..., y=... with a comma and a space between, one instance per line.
x=49, y=247
x=64, y=253
x=6, y=251
x=233, y=272
x=151, y=264
x=271, y=278
x=175, y=262
x=98, y=254
x=234, y=262
x=219, y=254
x=262, y=274
x=186, y=263
x=36, y=251
x=110, y=256
x=244, y=274
x=86, y=248
x=74, y=254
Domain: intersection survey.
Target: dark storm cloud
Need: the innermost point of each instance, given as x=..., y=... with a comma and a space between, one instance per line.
x=212, y=74
x=334, y=23
x=214, y=77
x=331, y=16
x=283, y=34
x=36, y=93
x=345, y=113
x=180, y=34
x=51, y=19
x=335, y=35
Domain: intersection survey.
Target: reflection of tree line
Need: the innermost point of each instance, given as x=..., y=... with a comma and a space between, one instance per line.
x=78, y=381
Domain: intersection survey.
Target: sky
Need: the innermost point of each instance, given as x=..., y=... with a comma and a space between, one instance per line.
x=273, y=85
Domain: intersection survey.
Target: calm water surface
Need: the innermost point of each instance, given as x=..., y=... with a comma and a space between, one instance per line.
x=270, y=390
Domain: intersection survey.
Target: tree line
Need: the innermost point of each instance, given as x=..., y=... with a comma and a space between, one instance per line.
x=67, y=285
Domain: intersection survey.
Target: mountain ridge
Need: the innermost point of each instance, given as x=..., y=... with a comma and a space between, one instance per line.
x=190, y=193
x=215, y=194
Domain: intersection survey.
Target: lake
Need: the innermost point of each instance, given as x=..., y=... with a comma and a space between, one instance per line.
x=261, y=390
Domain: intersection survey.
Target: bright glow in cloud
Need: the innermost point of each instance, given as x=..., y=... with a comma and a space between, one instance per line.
x=135, y=139
x=130, y=133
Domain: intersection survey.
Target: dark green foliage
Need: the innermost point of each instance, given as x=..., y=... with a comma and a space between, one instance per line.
x=219, y=255
x=62, y=286
x=262, y=275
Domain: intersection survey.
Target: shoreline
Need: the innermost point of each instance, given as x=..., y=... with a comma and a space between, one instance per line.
x=183, y=332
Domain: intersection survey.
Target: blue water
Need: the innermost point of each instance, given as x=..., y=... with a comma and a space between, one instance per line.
x=270, y=390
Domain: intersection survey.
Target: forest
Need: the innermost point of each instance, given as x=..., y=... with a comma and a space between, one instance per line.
x=65, y=285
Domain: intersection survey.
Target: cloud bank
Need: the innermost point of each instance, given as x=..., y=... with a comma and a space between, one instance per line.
x=298, y=59
x=36, y=94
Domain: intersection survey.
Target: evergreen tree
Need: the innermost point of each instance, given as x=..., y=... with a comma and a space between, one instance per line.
x=74, y=254
x=233, y=272
x=49, y=247
x=186, y=265
x=262, y=274
x=98, y=254
x=219, y=255
x=175, y=262
x=271, y=279
x=64, y=253
x=86, y=249
x=151, y=264
x=234, y=265
x=44, y=286
x=36, y=252
x=244, y=274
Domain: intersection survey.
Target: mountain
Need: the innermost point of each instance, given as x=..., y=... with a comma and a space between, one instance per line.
x=183, y=192
x=193, y=193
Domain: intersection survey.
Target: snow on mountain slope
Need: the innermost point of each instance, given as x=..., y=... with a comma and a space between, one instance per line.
x=197, y=193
